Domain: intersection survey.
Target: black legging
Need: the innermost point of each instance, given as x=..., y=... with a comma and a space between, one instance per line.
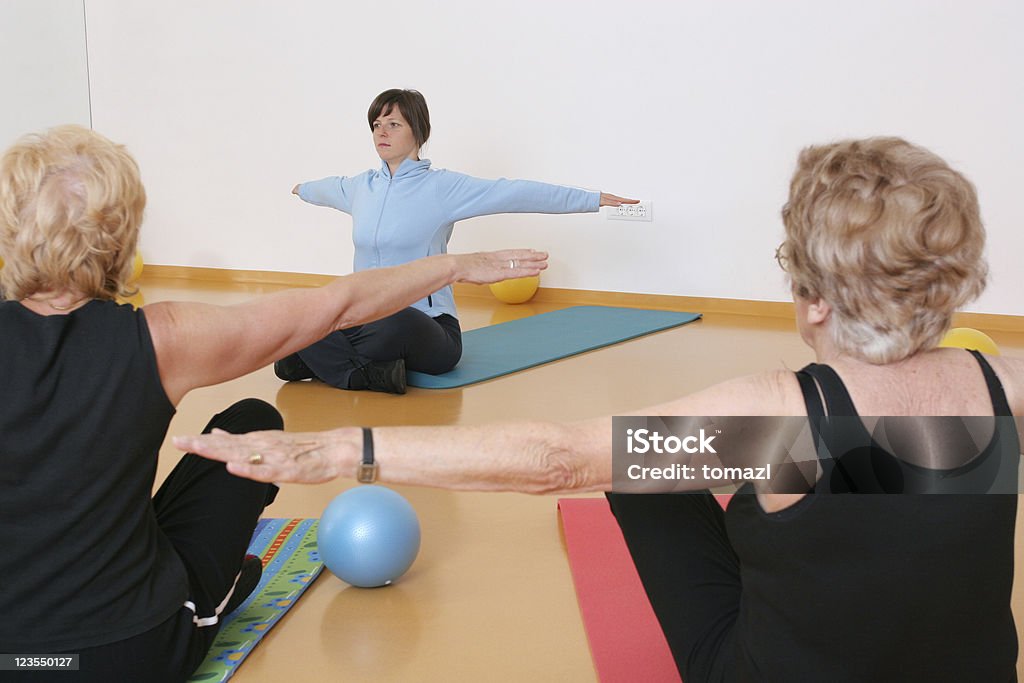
x=209, y=516
x=690, y=572
x=430, y=345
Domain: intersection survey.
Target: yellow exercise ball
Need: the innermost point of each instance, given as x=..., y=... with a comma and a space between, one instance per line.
x=136, y=268
x=967, y=338
x=516, y=291
x=136, y=300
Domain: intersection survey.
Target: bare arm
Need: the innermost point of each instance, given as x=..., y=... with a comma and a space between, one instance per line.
x=200, y=344
x=530, y=457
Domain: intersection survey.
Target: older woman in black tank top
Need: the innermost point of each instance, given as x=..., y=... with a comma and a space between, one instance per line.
x=91, y=564
x=844, y=570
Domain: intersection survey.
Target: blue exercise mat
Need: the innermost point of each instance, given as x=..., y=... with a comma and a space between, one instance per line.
x=490, y=352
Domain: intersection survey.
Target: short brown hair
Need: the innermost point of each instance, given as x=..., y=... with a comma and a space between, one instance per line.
x=71, y=203
x=411, y=104
x=890, y=236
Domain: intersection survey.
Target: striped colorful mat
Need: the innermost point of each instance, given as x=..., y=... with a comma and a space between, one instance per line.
x=291, y=562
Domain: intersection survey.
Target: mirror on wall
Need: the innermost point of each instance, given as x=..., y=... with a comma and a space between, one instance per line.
x=44, y=66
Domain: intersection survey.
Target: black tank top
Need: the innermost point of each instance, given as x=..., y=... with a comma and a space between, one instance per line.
x=907, y=587
x=853, y=462
x=82, y=561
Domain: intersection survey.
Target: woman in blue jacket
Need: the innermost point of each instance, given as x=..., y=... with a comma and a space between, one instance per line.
x=403, y=211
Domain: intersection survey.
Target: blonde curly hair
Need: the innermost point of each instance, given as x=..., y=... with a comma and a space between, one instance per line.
x=71, y=203
x=890, y=236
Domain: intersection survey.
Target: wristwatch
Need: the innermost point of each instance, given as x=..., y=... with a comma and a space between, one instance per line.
x=367, y=472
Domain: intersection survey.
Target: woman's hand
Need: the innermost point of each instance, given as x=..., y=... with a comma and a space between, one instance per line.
x=486, y=267
x=276, y=456
x=615, y=200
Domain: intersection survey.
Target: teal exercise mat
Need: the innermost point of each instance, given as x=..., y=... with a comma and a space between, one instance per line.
x=490, y=352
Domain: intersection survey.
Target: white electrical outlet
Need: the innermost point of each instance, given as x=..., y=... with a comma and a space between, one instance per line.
x=644, y=211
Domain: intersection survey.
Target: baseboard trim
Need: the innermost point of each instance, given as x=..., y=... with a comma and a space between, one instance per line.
x=665, y=302
x=262, y=277
x=705, y=305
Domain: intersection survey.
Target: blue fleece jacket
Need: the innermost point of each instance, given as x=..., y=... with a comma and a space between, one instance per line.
x=402, y=218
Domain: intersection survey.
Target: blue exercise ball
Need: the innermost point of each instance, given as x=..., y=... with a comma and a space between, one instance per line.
x=369, y=536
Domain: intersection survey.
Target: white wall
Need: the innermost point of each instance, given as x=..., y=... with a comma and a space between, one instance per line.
x=700, y=106
x=43, y=71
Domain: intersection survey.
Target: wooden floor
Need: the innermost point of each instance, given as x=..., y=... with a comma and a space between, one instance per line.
x=490, y=596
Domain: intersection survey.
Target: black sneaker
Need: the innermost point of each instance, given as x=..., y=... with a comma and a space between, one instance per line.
x=291, y=369
x=248, y=578
x=385, y=375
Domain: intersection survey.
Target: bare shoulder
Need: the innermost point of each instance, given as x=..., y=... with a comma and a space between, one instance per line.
x=775, y=392
x=163, y=320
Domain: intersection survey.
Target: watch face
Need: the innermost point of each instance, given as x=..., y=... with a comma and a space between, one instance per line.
x=367, y=473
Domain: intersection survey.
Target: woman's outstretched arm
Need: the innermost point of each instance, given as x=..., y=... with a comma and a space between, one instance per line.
x=529, y=457
x=200, y=344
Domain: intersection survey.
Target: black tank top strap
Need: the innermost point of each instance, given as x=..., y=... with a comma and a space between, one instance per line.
x=1000, y=405
x=812, y=399
x=821, y=429
x=837, y=398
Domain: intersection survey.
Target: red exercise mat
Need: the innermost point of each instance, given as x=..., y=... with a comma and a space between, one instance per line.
x=626, y=641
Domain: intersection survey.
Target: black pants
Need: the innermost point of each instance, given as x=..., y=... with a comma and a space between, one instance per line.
x=209, y=516
x=689, y=571
x=431, y=345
